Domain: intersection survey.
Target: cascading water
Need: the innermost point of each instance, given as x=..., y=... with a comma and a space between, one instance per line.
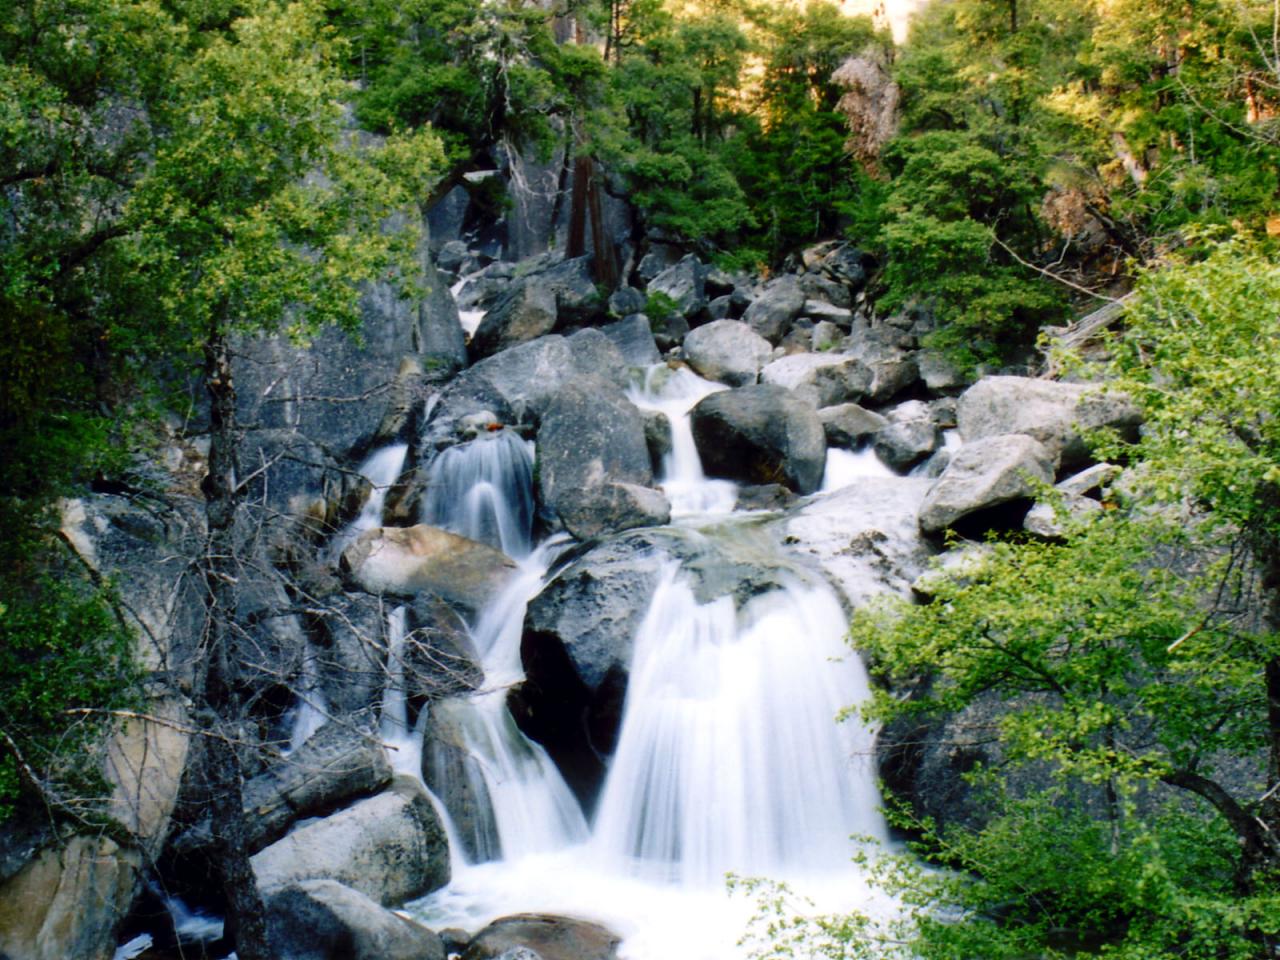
x=484, y=490
x=468, y=316
x=674, y=393
x=729, y=758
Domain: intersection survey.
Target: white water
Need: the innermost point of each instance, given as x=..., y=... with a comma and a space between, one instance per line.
x=483, y=489
x=674, y=393
x=312, y=709
x=847, y=467
x=470, y=319
x=382, y=469
x=730, y=758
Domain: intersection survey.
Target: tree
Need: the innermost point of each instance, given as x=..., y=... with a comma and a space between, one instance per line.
x=1133, y=667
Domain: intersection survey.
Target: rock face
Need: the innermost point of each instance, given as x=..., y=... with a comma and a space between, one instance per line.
x=984, y=474
x=761, y=434
x=727, y=351
x=1056, y=414
x=593, y=462
x=390, y=847
x=526, y=312
x=543, y=936
x=325, y=920
x=410, y=560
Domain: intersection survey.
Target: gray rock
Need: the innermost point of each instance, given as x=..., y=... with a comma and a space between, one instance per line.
x=1051, y=521
x=452, y=255
x=660, y=257
x=634, y=340
x=625, y=301
x=455, y=776
x=1059, y=415
x=892, y=367
x=863, y=536
x=389, y=847
x=771, y=313
x=721, y=308
x=820, y=379
x=546, y=937
x=527, y=311
x=657, y=436
x=984, y=474
x=826, y=336
x=821, y=310
x=683, y=283
x=847, y=265
x=909, y=437
x=340, y=762
x=517, y=384
x=325, y=920
x=938, y=373
x=439, y=658
x=589, y=443
x=815, y=286
x=849, y=425
x=1087, y=481
x=727, y=351
x=421, y=558
x=761, y=434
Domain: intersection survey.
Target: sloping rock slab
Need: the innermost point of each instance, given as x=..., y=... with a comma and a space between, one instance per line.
x=325, y=920
x=984, y=474
x=390, y=847
x=549, y=937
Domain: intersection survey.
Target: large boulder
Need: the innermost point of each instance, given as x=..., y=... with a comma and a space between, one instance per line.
x=527, y=311
x=390, y=847
x=545, y=937
x=984, y=474
x=634, y=340
x=727, y=351
x=778, y=304
x=516, y=385
x=820, y=379
x=325, y=920
x=886, y=353
x=761, y=434
x=341, y=762
x=683, y=283
x=412, y=560
x=1058, y=415
x=593, y=462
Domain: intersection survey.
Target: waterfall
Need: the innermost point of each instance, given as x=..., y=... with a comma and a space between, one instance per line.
x=483, y=489
x=403, y=742
x=469, y=318
x=674, y=393
x=730, y=758
x=846, y=467
x=312, y=709
x=382, y=469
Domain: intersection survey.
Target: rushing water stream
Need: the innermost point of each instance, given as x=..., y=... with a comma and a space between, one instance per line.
x=729, y=757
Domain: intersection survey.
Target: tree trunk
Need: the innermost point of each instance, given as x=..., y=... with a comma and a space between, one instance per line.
x=215, y=693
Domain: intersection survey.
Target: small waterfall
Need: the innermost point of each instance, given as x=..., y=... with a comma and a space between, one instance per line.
x=469, y=318
x=404, y=742
x=382, y=469
x=312, y=709
x=675, y=393
x=729, y=757
x=483, y=489
x=846, y=467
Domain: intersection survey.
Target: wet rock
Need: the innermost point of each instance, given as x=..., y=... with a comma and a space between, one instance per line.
x=760, y=434
x=727, y=351
x=683, y=283
x=591, y=446
x=411, y=560
x=325, y=920
x=909, y=437
x=983, y=474
x=546, y=937
x=849, y=425
x=1059, y=415
x=771, y=313
x=439, y=659
x=820, y=379
x=634, y=340
x=657, y=436
x=455, y=776
x=390, y=847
